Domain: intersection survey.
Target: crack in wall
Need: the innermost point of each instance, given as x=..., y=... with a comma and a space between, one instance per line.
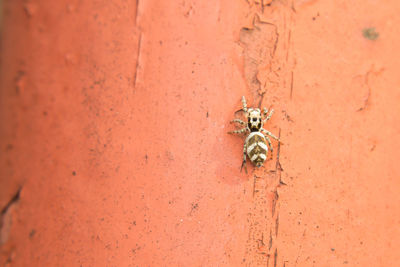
x=5, y=217
x=260, y=44
x=137, y=66
x=368, y=86
x=264, y=217
x=268, y=71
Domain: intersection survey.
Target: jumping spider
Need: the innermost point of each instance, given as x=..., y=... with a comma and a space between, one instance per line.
x=255, y=144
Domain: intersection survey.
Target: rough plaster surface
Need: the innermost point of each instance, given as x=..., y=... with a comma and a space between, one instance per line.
x=113, y=140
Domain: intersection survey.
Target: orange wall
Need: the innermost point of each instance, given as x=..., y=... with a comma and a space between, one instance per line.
x=114, y=145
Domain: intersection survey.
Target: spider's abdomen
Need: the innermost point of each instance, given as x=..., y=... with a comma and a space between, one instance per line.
x=257, y=148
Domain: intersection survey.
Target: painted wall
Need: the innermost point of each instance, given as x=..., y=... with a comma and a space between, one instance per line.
x=114, y=145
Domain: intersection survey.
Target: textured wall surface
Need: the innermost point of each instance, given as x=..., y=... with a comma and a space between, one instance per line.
x=114, y=145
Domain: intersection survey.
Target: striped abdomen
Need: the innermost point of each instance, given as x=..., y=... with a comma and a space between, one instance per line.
x=257, y=148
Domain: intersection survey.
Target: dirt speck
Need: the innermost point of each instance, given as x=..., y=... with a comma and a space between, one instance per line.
x=370, y=33
x=32, y=233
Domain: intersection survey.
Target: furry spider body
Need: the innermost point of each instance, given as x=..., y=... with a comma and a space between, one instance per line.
x=255, y=145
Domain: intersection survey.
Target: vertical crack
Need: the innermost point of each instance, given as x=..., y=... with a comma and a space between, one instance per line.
x=12, y=201
x=5, y=217
x=137, y=60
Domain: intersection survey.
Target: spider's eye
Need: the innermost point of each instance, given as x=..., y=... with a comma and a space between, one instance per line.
x=254, y=119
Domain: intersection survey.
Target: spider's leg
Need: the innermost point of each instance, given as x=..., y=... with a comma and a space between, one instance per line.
x=265, y=112
x=243, y=130
x=269, y=115
x=244, y=104
x=238, y=121
x=270, y=134
x=244, y=159
x=269, y=144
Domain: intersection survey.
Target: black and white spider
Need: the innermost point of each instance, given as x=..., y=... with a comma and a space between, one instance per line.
x=255, y=145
